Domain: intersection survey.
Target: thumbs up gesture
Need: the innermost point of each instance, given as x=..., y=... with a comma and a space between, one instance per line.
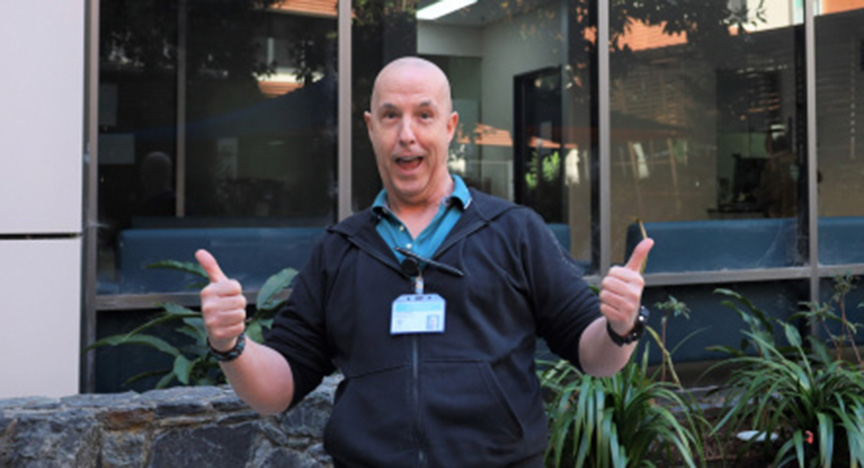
x=621, y=290
x=222, y=305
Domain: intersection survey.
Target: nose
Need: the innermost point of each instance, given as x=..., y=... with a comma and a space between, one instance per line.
x=406, y=133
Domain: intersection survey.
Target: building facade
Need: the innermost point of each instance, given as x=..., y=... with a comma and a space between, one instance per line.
x=727, y=129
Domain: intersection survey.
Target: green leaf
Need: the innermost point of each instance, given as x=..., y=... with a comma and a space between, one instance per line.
x=826, y=438
x=178, y=311
x=268, y=295
x=792, y=335
x=182, y=369
x=145, y=375
x=165, y=381
x=171, y=312
x=254, y=331
x=186, y=267
x=144, y=340
x=195, y=331
x=617, y=421
x=753, y=316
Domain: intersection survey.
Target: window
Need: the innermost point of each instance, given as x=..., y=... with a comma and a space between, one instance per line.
x=492, y=52
x=840, y=131
x=218, y=131
x=698, y=95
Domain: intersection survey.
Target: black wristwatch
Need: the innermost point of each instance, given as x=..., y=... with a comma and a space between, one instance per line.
x=635, y=333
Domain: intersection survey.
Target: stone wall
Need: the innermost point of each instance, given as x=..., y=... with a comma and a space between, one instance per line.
x=179, y=427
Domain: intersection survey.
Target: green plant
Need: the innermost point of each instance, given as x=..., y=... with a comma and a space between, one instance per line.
x=812, y=403
x=192, y=362
x=824, y=312
x=622, y=421
x=549, y=171
x=675, y=308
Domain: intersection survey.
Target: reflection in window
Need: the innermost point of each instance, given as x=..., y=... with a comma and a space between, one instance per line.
x=489, y=50
x=840, y=131
x=217, y=130
x=707, y=116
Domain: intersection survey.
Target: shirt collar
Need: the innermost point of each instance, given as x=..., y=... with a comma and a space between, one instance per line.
x=460, y=194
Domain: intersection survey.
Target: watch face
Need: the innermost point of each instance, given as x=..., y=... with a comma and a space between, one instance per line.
x=639, y=327
x=635, y=334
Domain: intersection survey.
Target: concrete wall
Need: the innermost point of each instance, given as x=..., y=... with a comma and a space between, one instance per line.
x=41, y=130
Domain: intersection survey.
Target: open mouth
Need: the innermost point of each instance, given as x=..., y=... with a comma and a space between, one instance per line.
x=409, y=162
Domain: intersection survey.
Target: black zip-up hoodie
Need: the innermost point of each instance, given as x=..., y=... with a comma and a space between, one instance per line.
x=468, y=397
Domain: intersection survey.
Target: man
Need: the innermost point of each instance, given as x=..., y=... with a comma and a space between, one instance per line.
x=464, y=394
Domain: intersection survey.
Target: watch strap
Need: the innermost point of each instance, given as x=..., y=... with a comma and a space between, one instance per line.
x=634, y=334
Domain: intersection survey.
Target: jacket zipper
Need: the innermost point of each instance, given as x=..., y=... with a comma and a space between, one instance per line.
x=415, y=391
x=389, y=260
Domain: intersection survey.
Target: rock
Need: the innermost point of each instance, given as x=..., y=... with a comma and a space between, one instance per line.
x=178, y=427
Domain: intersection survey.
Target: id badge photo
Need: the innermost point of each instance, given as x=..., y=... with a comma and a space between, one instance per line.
x=417, y=313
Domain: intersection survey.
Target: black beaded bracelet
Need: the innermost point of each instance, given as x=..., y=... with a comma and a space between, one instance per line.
x=232, y=353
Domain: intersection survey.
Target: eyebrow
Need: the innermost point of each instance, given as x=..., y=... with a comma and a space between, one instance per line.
x=423, y=104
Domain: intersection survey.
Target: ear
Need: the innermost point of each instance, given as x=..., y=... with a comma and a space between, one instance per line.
x=452, y=124
x=367, y=116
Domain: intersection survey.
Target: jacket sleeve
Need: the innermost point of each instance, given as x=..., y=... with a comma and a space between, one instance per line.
x=298, y=331
x=563, y=303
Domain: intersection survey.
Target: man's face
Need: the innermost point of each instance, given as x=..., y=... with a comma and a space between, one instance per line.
x=410, y=124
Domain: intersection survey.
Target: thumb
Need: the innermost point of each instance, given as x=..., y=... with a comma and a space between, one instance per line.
x=210, y=265
x=640, y=255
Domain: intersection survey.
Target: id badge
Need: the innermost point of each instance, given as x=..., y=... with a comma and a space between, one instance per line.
x=417, y=313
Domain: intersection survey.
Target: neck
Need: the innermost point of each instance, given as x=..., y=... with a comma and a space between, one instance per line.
x=416, y=216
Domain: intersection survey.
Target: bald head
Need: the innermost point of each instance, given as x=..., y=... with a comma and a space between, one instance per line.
x=413, y=68
x=411, y=123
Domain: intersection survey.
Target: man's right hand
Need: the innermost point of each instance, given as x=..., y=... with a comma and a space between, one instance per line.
x=222, y=304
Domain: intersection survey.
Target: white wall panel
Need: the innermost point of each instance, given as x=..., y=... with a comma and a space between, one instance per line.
x=40, y=283
x=41, y=116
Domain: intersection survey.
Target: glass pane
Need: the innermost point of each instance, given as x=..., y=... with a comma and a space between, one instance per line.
x=708, y=121
x=840, y=131
x=217, y=131
x=709, y=322
x=842, y=296
x=520, y=79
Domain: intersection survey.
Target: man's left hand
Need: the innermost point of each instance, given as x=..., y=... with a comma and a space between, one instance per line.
x=621, y=290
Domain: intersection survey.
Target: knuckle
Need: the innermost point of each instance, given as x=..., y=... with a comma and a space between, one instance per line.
x=235, y=302
x=207, y=311
x=219, y=334
x=211, y=325
x=207, y=292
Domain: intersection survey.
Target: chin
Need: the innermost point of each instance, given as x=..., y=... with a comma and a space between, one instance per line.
x=409, y=194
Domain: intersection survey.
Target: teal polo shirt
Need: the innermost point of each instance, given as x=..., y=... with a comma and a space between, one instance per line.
x=396, y=234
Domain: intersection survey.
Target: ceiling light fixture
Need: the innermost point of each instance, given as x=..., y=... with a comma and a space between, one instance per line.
x=442, y=8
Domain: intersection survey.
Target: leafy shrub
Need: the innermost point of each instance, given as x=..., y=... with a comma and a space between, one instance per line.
x=812, y=402
x=626, y=420
x=192, y=362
